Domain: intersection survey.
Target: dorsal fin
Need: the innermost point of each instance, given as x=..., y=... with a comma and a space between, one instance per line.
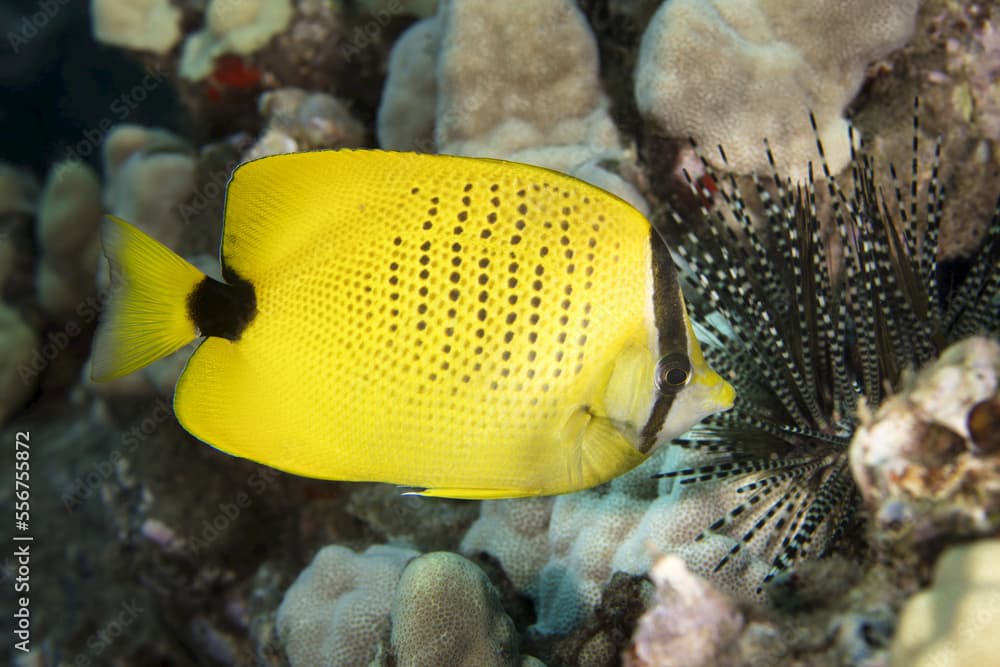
x=276, y=205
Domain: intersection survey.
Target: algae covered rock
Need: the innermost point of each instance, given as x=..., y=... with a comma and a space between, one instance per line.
x=927, y=461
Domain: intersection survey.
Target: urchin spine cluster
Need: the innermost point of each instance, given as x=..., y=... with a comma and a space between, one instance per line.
x=803, y=336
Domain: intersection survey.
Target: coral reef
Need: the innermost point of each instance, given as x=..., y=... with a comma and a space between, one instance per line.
x=804, y=339
x=20, y=344
x=232, y=27
x=143, y=25
x=446, y=612
x=976, y=66
x=951, y=623
x=408, y=109
x=564, y=552
x=585, y=532
x=515, y=533
x=392, y=606
x=691, y=623
x=735, y=73
x=69, y=213
x=149, y=172
x=23, y=355
x=337, y=611
x=542, y=105
x=19, y=194
x=927, y=462
x=298, y=120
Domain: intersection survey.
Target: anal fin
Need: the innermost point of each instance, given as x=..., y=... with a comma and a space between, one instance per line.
x=472, y=494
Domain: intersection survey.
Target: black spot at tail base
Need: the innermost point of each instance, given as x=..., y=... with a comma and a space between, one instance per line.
x=223, y=310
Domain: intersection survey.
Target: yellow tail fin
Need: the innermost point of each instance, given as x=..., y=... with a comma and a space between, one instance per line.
x=146, y=313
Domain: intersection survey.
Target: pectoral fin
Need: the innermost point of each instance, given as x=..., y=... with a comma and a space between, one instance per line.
x=601, y=452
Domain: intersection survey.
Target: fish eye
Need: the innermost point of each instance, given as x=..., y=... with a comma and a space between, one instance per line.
x=672, y=373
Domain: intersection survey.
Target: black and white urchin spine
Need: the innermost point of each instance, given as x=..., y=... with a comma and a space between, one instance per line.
x=803, y=336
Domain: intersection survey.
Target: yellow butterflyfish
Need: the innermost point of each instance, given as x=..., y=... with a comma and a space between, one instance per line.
x=468, y=327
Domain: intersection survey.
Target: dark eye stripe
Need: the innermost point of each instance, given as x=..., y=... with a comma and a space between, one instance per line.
x=668, y=310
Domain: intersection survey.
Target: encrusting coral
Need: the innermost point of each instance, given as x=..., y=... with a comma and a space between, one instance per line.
x=732, y=73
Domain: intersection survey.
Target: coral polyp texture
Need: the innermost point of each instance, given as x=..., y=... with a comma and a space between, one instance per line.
x=733, y=73
x=446, y=612
x=393, y=606
x=485, y=78
x=337, y=611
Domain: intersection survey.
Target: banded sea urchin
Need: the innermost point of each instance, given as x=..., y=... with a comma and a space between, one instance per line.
x=803, y=328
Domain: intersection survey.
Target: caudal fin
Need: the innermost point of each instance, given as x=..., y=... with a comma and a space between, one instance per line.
x=146, y=313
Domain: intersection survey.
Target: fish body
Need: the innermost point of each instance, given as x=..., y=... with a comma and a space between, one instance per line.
x=468, y=327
